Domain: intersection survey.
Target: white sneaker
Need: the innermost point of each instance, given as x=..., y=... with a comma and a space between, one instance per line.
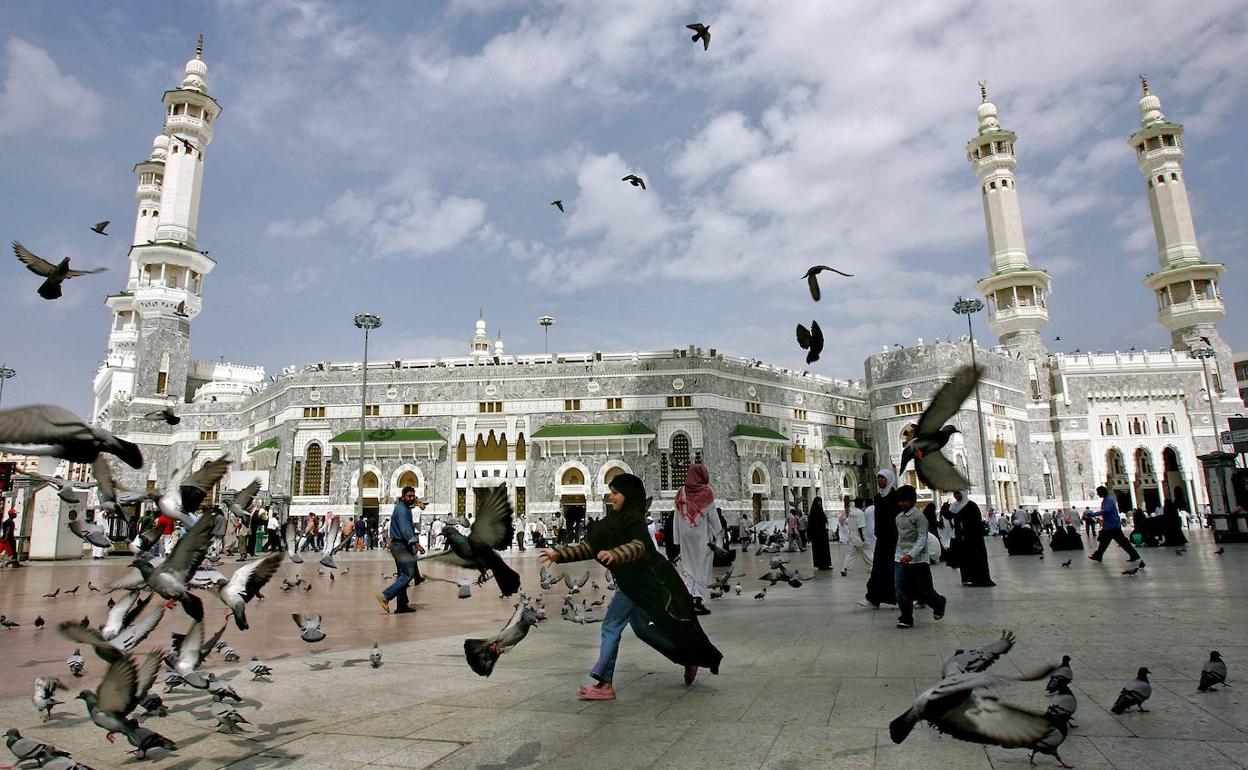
x=865, y=603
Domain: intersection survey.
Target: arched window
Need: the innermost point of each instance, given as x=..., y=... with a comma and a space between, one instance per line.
x=611, y=473
x=757, y=476
x=522, y=451
x=680, y=459
x=572, y=477
x=370, y=481
x=312, y=470
x=461, y=450
x=409, y=479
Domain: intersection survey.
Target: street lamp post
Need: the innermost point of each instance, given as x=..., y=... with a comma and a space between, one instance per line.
x=969, y=307
x=546, y=322
x=1204, y=354
x=367, y=322
x=5, y=373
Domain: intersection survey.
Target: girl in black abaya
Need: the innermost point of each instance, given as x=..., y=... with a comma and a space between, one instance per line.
x=817, y=529
x=968, y=528
x=881, y=586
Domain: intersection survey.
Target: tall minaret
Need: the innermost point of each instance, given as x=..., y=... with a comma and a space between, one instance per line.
x=479, y=348
x=1017, y=294
x=1188, y=301
x=149, y=343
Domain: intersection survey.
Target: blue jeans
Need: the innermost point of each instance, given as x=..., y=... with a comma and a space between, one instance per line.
x=405, y=564
x=622, y=612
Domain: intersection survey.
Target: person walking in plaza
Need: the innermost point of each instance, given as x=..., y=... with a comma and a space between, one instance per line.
x=273, y=531
x=968, y=540
x=694, y=527
x=404, y=547
x=854, y=538
x=881, y=586
x=817, y=531
x=793, y=530
x=911, y=562
x=650, y=595
x=1089, y=523
x=8, y=538
x=1171, y=522
x=1111, y=529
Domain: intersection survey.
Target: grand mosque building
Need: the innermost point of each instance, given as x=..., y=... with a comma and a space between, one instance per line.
x=556, y=427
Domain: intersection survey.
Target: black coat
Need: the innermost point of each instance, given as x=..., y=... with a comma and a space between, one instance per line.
x=880, y=586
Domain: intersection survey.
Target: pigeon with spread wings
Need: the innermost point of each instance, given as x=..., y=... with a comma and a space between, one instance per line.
x=492, y=530
x=44, y=429
x=53, y=275
x=931, y=434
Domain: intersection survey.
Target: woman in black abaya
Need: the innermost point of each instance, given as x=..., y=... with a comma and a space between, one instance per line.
x=817, y=529
x=881, y=586
x=968, y=528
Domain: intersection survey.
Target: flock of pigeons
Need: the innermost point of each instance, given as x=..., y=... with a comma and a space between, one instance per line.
x=962, y=703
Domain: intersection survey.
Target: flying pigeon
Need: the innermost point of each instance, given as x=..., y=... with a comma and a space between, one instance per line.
x=1134, y=693
x=332, y=545
x=192, y=490
x=94, y=534
x=482, y=654
x=574, y=587
x=547, y=580
x=961, y=706
x=170, y=578
x=1060, y=676
x=1067, y=562
x=700, y=32
x=229, y=720
x=492, y=530
x=124, y=686
x=557, y=204
x=309, y=627
x=57, y=432
x=72, y=591
x=76, y=664
x=29, y=749
x=978, y=660
x=45, y=695
x=931, y=434
x=810, y=340
x=65, y=488
x=123, y=641
x=186, y=143
x=635, y=181
x=812, y=279
x=1213, y=673
x=54, y=275
x=165, y=415
x=221, y=691
x=292, y=543
x=374, y=656
x=52, y=595
x=259, y=669
x=244, y=584
x=100, y=227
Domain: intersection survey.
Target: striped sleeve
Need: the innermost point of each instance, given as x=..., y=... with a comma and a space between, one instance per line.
x=630, y=551
x=578, y=552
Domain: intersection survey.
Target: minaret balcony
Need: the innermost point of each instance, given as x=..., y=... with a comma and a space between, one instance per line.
x=167, y=300
x=123, y=338
x=1193, y=312
x=1019, y=318
x=195, y=127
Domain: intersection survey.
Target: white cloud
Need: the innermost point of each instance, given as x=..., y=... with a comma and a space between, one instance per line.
x=295, y=228
x=38, y=96
x=725, y=142
x=407, y=216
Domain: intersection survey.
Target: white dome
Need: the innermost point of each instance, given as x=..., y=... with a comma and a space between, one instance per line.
x=1150, y=110
x=987, y=113
x=196, y=75
x=160, y=147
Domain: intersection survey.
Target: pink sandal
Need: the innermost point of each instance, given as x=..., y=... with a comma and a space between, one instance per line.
x=595, y=693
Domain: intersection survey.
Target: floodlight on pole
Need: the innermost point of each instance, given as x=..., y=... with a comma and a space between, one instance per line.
x=969, y=307
x=1203, y=355
x=546, y=322
x=367, y=322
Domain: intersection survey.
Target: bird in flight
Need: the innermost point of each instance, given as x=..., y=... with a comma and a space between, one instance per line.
x=700, y=32
x=99, y=227
x=810, y=340
x=932, y=433
x=55, y=275
x=557, y=204
x=635, y=181
x=812, y=278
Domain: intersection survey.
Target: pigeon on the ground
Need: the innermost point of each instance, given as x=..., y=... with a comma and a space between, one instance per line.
x=492, y=530
x=52, y=594
x=29, y=749
x=1133, y=571
x=309, y=627
x=1062, y=703
x=170, y=578
x=244, y=584
x=810, y=340
x=1134, y=693
x=39, y=622
x=1220, y=551
x=8, y=624
x=1067, y=562
x=557, y=204
x=978, y=660
x=53, y=275
x=100, y=227
x=221, y=691
x=700, y=32
x=45, y=695
x=931, y=434
x=812, y=279
x=737, y=589
x=1213, y=673
x=374, y=656
x=962, y=706
x=153, y=706
x=1058, y=730
x=575, y=586
x=165, y=415
x=76, y=663
x=259, y=669
x=761, y=595
x=229, y=720
x=229, y=653
x=1061, y=675
x=45, y=429
x=144, y=740
x=547, y=580
x=124, y=685
x=72, y=591
x=635, y=181
x=482, y=654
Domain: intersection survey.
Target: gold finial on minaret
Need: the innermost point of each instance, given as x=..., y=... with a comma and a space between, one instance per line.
x=983, y=92
x=199, y=46
x=1144, y=83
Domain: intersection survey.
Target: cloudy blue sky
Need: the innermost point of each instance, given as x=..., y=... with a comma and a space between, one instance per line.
x=400, y=157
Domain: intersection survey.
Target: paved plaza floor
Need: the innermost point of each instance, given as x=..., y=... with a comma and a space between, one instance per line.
x=809, y=680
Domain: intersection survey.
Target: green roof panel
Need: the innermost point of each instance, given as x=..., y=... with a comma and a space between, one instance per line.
x=754, y=431
x=389, y=435
x=268, y=443
x=593, y=430
x=835, y=442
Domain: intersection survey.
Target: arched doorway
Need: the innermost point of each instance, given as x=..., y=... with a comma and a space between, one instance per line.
x=1146, y=487
x=572, y=491
x=1174, y=484
x=371, y=491
x=1116, y=478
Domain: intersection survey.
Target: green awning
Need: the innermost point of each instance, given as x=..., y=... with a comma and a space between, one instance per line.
x=390, y=435
x=268, y=443
x=753, y=431
x=841, y=442
x=593, y=430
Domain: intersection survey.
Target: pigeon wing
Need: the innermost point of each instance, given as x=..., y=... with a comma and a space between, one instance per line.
x=133, y=636
x=118, y=689
x=247, y=580
x=41, y=424
x=116, y=619
x=803, y=337
x=76, y=273
x=195, y=487
x=948, y=399
x=493, y=526
x=244, y=496
x=187, y=648
x=938, y=473
x=812, y=280
x=985, y=719
x=145, y=674
x=34, y=263
x=191, y=549
x=816, y=343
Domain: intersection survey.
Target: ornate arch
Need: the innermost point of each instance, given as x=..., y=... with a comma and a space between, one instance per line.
x=573, y=489
x=764, y=486
x=353, y=490
x=601, y=479
x=395, y=478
